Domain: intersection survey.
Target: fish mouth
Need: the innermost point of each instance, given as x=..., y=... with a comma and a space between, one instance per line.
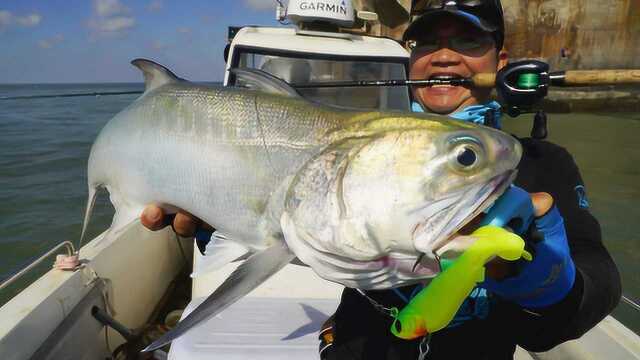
x=472, y=221
x=467, y=211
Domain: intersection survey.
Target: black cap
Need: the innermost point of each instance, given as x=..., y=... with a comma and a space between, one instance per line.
x=486, y=15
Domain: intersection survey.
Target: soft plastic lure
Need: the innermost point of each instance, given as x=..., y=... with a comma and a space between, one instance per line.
x=436, y=305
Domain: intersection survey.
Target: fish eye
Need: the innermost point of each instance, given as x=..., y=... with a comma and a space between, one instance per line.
x=466, y=157
x=467, y=153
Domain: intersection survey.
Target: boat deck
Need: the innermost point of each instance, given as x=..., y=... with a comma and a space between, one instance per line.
x=254, y=327
x=281, y=319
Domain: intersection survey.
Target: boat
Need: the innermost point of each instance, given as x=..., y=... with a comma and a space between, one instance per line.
x=125, y=292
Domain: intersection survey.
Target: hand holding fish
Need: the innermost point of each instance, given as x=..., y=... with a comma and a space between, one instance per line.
x=498, y=269
x=550, y=276
x=434, y=307
x=184, y=224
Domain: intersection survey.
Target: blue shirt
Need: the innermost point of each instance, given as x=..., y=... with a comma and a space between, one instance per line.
x=473, y=113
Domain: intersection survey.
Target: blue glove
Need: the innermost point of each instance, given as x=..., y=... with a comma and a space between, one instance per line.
x=513, y=209
x=550, y=276
x=203, y=237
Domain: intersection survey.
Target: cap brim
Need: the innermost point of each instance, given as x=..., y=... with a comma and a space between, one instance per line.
x=428, y=18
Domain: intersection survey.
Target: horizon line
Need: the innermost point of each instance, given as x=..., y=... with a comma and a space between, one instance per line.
x=94, y=82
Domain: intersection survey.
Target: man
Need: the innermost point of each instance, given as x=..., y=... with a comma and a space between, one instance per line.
x=571, y=284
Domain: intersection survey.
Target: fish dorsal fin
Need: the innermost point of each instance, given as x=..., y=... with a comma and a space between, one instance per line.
x=155, y=75
x=263, y=81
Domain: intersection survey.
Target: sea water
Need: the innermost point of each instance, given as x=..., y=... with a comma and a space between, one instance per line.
x=45, y=143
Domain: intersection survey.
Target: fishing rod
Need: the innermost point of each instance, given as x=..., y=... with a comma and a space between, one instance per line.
x=570, y=78
x=520, y=85
x=398, y=82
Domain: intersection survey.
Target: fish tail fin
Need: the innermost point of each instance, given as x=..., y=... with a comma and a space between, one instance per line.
x=91, y=201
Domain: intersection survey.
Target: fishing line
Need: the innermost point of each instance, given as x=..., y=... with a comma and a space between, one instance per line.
x=630, y=302
x=96, y=94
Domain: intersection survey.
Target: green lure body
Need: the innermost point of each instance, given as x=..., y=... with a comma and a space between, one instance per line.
x=435, y=306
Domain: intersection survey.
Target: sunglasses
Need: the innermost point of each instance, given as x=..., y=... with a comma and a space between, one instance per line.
x=473, y=45
x=441, y=4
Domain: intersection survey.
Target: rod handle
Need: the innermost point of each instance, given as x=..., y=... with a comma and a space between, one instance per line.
x=601, y=77
x=484, y=80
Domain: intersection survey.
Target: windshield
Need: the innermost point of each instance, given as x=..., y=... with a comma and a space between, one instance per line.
x=304, y=69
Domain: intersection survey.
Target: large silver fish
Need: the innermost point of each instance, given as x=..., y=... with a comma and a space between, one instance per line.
x=358, y=196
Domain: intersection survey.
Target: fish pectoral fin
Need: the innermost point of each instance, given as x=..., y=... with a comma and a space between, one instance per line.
x=218, y=236
x=155, y=75
x=219, y=252
x=265, y=82
x=248, y=276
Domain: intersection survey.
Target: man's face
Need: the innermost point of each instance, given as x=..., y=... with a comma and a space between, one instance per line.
x=453, y=48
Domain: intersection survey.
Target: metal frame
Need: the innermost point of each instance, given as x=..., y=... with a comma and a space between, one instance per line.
x=70, y=251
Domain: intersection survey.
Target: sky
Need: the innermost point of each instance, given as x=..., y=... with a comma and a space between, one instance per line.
x=70, y=41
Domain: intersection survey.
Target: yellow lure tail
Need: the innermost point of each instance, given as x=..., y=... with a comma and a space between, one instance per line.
x=435, y=306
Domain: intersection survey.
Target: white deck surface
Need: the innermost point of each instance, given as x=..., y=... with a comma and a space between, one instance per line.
x=278, y=320
x=258, y=328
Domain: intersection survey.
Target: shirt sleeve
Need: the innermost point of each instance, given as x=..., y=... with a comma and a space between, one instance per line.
x=597, y=288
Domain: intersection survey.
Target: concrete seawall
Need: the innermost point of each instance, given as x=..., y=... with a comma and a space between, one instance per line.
x=568, y=34
x=600, y=99
x=593, y=34
x=576, y=35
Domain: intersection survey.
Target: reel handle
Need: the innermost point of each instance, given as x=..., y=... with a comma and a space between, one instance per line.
x=521, y=85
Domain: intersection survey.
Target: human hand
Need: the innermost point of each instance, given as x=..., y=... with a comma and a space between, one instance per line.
x=498, y=268
x=184, y=224
x=550, y=276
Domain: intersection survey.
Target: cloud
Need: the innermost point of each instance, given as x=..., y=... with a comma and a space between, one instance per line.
x=261, y=4
x=155, y=5
x=29, y=20
x=158, y=45
x=5, y=19
x=184, y=30
x=110, y=17
x=112, y=25
x=8, y=19
x=45, y=44
x=51, y=42
x=106, y=8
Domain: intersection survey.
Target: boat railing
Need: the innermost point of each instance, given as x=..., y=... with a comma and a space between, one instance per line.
x=66, y=244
